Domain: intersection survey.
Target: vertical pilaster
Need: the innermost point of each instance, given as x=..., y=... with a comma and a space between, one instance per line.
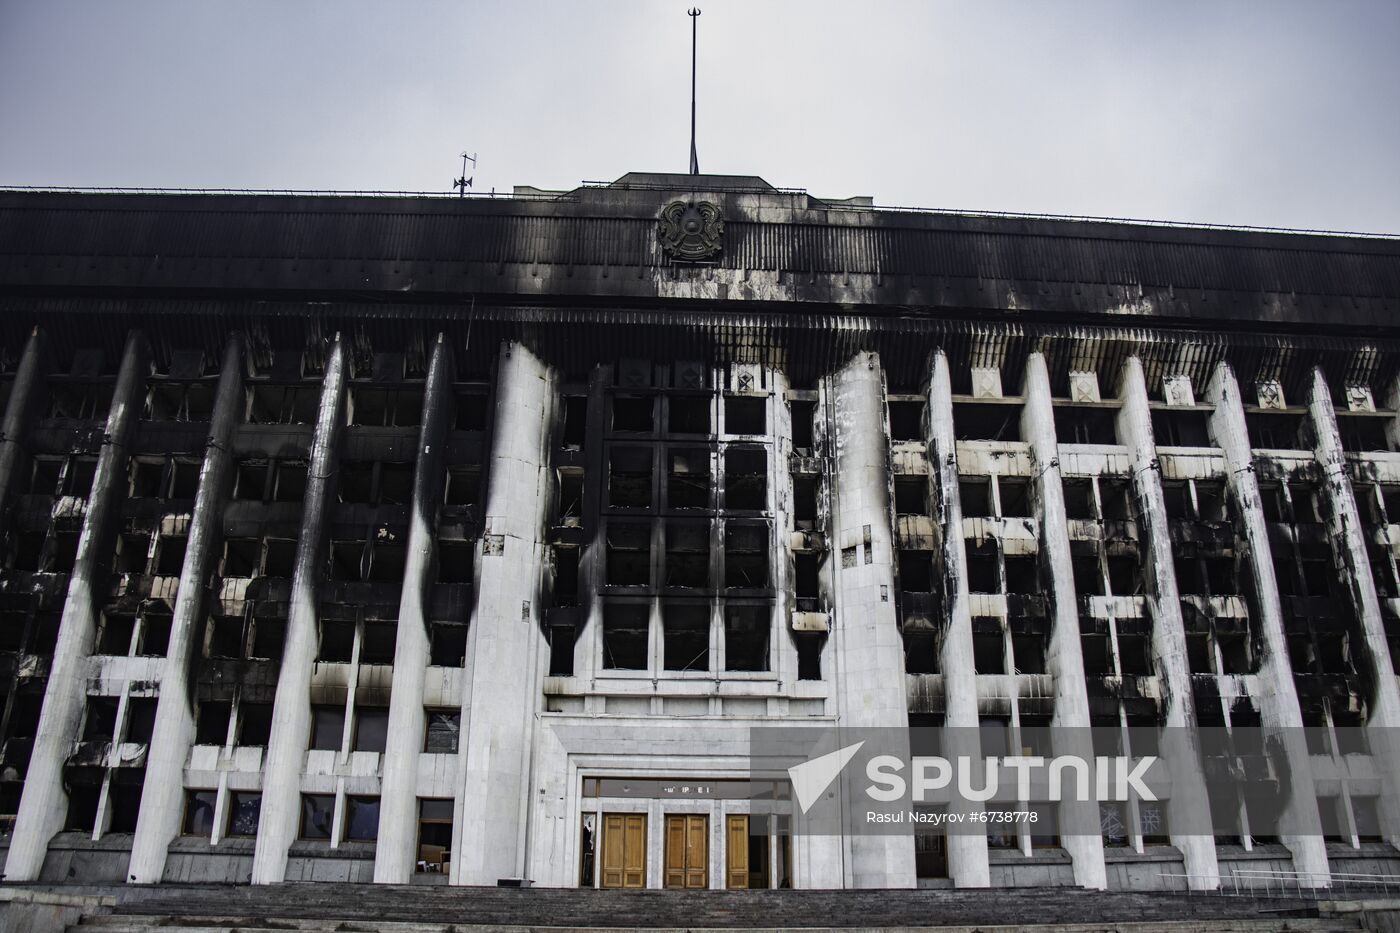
x=1278, y=699
x=162, y=794
x=394, y=854
x=291, y=710
x=1065, y=657
x=1348, y=536
x=967, y=852
x=870, y=673
x=1168, y=626
x=44, y=803
x=505, y=647
x=18, y=408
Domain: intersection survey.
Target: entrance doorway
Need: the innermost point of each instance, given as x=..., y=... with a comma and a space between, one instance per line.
x=624, y=850
x=687, y=851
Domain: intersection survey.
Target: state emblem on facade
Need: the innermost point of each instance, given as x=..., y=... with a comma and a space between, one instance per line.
x=691, y=231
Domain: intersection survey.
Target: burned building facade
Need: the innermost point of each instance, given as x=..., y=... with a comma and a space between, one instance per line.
x=463, y=540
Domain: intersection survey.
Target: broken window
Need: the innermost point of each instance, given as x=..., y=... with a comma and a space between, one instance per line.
x=629, y=554
x=745, y=478
x=561, y=650
x=625, y=630
x=1235, y=653
x=1015, y=496
x=1176, y=494
x=1275, y=430
x=1088, y=576
x=916, y=571
x=745, y=415
x=802, y=434
x=77, y=479
x=115, y=636
x=349, y=560
x=255, y=724
x=199, y=812
x=44, y=476
x=688, y=479
x=1124, y=576
x=686, y=636
x=386, y=560
x=283, y=404
x=809, y=654
x=975, y=496
x=361, y=819
x=989, y=655
x=250, y=480
x=745, y=555
x=633, y=413
x=327, y=727
x=1079, y=498
x=269, y=634
x=804, y=500
x=906, y=421
x=377, y=407
x=566, y=576
x=1085, y=424
x=147, y=478
x=291, y=481
x=1363, y=432
x=1097, y=656
x=180, y=401
x=242, y=557
x=100, y=723
x=82, y=804
x=63, y=551
x=80, y=401
x=629, y=477
x=317, y=813
x=746, y=639
x=807, y=583
x=570, y=510
x=211, y=724
x=133, y=549
x=337, y=640
x=920, y=653
x=575, y=420
x=170, y=555
x=355, y=481
x=1176, y=427
x=688, y=554
x=982, y=573
x=1135, y=655
x=1221, y=577
x=395, y=483
x=1117, y=497
x=434, y=834
x=449, y=644
x=911, y=495
x=140, y=719
x=455, y=561
x=987, y=421
x=688, y=414
x=371, y=729
x=244, y=808
x=444, y=728
x=184, y=479
x=226, y=637
x=377, y=645
x=472, y=409
x=1022, y=574
x=124, y=801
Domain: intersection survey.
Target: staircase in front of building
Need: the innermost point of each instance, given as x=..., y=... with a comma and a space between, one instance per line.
x=344, y=908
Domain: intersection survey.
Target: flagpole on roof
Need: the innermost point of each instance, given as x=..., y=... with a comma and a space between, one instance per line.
x=694, y=14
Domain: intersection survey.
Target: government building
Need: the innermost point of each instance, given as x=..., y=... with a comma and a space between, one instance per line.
x=463, y=541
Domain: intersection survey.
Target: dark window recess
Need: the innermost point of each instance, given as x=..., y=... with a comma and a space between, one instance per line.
x=1235, y=654
x=575, y=420
x=140, y=719
x=1300, y=653
x=355, y=481
x=916, y=571
x=983, y=421
x=1097, y=659
x=349, y=560
x=1088, y=576
x=361, y=819
x=78, y=480
x=688, y=479
x=629, y=554
x=170, y=556
x=633, y=413
x=1125, y=576
x=45, y=632
x=199, y=812
x=147, y=479
x=1085, y=424
x=975, y=496
x=115, y=637
x=291, y=482
x=802, y=435
x=387, y=407
x=561, y=650
x=82, y=807
x=1274, y=430
x=989, y=655
x=906, y=421
x=244, y=808
x=745, y=556
x=1015, y=497
x=386, y=561
x=809, y=654
x=746, y=638
x=269, y=634
x=1173, y=427
x=911, y=495
x=395, y=483
x=1212, y=504
x=1022, y=575
x=211, y=726
x=1271, y=501
x=982, y=575
x=337, y=641
x=920, y=653
x=454, y=561
x=1198, y=653
x=1079, y=498
x=463, y=486
x=1318, y=576
x=687, y=554
x=250, y=480
x=123, y=804
x=449, y=644
x=63, y=551
x=80, y=400
x=26, y=550
x=1117, y=497
x=570, y=509
x=327, y=727
x=283, y=404
x=225, y=637
x=1135, y=654
x=378, y=644
x=184, y=481
x=745, y=478
x=43, y=478
x=317, y=813
x=444, y=729
x=625, y=628
x=566, y=576
x=1177, y=496
x=471, y=411
x=808, y=584
x=804, y=498
x=688, y=414
x=254, y=724
x=132, y=553
x=686, y=633
x=242, y=557
x=1305, y=504
x=745, y=415
x=100, y=723
x=371, y=728
x=629, y=477
x=1362, y=432
x=1221, y=576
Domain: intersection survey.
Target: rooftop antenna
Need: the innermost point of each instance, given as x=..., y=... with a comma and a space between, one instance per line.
x=465, y=182
x=694, y=14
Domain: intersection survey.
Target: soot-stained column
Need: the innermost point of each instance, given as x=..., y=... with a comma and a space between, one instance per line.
x=291, y=711
x=1065, y=657
x=967, y=852
x=163, y=795
x=44, y=803
x=1349, y=545
x=394, y=854
x=1278, y=699
x=1168, y=626
x=869, y=672
x=506, y=652
x=19, y=408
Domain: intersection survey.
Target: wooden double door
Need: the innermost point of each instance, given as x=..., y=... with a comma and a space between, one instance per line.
x=686, y=862
x=687, y=851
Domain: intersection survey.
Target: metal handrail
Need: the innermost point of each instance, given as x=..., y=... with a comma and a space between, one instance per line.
x=1249, y=882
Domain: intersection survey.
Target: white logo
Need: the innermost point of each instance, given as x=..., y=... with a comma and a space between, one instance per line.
x=811, y=778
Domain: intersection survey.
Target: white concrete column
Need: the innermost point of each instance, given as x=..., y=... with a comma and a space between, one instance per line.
x=967, y=852
x=1278, y=694
x=19, y=407
x=44, y=804
x=163, y=791
x=1348, y=535
x=395, y=852
x=869, y=674
x=1168, y=626
x=291, y=710
x=506, y=650
x=1065, y=656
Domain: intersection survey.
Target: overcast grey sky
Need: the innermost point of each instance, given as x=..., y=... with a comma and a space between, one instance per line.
x=1265, y=112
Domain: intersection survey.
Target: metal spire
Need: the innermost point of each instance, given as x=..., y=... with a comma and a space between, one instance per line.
x=694, y=14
